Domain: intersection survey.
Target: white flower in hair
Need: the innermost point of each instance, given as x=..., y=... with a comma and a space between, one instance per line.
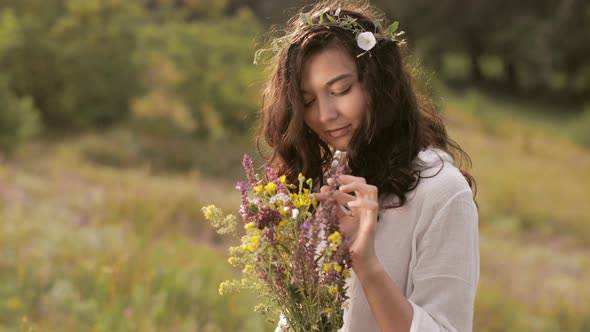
x=337, y=13
x=366, y=40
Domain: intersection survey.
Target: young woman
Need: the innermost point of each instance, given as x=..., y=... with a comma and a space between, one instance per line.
x=340, y=92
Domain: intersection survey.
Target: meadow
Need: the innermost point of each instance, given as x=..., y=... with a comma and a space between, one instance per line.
x=96, y=235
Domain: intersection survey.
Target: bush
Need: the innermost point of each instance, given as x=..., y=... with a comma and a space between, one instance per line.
x=76, y=63
x=204, y=68
x=19, y=120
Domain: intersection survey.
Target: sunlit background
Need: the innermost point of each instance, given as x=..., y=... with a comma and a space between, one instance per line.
x=120, y=119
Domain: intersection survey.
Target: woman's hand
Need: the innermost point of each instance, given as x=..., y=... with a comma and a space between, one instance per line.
x=359, y=224
x=391, y=309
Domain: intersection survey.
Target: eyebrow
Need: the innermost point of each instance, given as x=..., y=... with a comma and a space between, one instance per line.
x=334, y=80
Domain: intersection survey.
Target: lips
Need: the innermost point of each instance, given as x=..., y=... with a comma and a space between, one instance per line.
x=338, y=132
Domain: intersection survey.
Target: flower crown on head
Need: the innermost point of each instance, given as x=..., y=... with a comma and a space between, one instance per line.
x=366, y=40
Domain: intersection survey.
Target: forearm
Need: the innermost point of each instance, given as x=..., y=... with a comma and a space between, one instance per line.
x=391, y=309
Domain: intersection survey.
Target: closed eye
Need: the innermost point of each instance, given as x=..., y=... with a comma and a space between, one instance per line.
x=307, y=104
x=343, y=92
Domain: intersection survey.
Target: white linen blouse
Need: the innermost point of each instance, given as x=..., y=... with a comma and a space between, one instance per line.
x=430, y=249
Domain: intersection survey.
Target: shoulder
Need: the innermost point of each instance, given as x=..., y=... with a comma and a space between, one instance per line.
x=442, y=199
x=440, y=181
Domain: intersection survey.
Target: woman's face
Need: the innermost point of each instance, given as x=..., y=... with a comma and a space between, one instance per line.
x=334, y=100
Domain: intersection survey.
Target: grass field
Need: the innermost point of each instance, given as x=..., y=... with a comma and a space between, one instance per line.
x=87, y=246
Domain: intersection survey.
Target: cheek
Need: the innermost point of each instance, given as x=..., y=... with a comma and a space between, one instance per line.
x=358, y=108
x=308, y=119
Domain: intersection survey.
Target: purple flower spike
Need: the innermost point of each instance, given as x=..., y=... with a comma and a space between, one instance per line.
x=242, y=186
x=271, y=173
x=249, y=168
x=306, y=226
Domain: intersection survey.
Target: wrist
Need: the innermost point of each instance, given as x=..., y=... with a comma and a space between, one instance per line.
x=368, y=268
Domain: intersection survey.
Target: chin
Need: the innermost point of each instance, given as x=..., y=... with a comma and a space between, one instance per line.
x=341, y=146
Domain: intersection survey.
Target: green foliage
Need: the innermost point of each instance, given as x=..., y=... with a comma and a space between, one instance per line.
x=19, y=120
x=76, y=66
x=215, y=74
x=128, y=148
x=89, y=64
x=18, y=116
x=531, y=43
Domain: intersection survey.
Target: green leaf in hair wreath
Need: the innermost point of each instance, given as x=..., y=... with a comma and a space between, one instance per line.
x=392, y=28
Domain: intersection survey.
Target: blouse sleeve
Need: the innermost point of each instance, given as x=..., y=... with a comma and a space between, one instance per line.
x=446, y=270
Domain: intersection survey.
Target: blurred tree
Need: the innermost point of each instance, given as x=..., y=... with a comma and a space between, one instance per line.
x=77, y=66
x=268, y=11
x=216, y=74
x=570, y=41
x=542, y=44
x=161, y=110
x=19, y=119
x=187, y=9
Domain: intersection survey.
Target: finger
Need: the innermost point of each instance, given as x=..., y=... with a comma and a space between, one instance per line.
x=367, y=210
x=322, y=197
x=342, y=198
x=345, y=179
x=363, y=203
x=342, y=211
x=324, y=193
x=360, y=189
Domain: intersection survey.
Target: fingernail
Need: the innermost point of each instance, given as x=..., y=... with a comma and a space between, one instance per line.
x=330, y=181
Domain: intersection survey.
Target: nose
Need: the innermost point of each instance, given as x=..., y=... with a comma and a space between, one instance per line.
x=327, y=111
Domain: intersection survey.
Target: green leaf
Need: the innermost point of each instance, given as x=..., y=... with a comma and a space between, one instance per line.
x=331, y=18
x=322, y=19
x=309, y=21
x=303, y=18
x=392, y=28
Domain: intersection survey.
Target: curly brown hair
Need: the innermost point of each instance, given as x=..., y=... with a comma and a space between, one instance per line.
x=398, y=124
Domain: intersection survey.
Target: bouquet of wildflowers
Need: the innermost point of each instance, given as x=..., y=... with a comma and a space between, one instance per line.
x=291, y=251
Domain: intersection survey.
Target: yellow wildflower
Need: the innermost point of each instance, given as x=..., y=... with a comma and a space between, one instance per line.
x=251, y=247
x=283, y=223
x=346, y=273
x=250, y=225
x=327, y=267
x=254, y=240
x=270, y=188
x=300, y=200
x=283, y=179
x=335, y=238
x=328, y=310
x=209, y=211
x=337, y=267
x=258, y=189
x=333, y=290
